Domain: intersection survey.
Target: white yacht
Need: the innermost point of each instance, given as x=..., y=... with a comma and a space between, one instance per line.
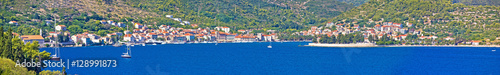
x=270, y=45
x=127, y=54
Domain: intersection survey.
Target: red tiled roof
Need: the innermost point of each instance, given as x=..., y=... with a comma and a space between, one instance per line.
x=128, y=35
x=199, y=35
x=32, y=37
x=187, y=34
x=62, y=25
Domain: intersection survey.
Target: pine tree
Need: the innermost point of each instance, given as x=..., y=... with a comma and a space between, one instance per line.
x=2, y=40
x=370, y=38
x=8, y=44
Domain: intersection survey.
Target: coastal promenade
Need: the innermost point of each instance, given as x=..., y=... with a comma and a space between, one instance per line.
x=374, y=45
x=342, y=45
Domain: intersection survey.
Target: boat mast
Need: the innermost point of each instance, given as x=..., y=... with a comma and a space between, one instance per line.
x=217, y=10
x=56, y=46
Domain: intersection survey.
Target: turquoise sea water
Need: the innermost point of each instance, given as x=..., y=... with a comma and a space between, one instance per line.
x=285, y=58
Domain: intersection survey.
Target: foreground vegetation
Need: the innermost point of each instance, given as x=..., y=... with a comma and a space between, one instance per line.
x=14, y=49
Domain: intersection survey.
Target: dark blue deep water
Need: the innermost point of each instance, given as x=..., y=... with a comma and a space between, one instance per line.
x=286, y=58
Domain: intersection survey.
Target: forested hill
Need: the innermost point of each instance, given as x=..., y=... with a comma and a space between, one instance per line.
x=466, y=2
x=478, y=2
x=83, y=15
x=354, y=2
x=434, y=17
x=243, y=14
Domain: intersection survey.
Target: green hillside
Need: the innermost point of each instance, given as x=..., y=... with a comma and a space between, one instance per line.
x=83, y=15
x=434, y=17
x=354, y=2
x=478, y=2
x=246, y=14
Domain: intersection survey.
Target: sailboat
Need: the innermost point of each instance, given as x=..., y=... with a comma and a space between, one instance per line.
x=56, y=51
x=56, y=46
x=270, y=45
x=127, y=54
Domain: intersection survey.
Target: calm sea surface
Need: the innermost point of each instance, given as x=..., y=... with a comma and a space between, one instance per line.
x=285, y=58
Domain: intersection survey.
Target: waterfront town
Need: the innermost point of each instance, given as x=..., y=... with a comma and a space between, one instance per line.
x=392, y=31
x=141, y=34
x=166, y=34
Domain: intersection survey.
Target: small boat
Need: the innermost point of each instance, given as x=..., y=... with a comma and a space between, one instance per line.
x=493, y=50
x=164, y=43
x=270, y=45
x=143, y=44
x=117, y=45
x=126, y=55
x=154, y=43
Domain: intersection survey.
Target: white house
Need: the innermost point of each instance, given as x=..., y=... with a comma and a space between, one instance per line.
x=409, y=24
x=13, y=22
x=103, y=22
x=186, y=22
x=61, y=27
x=128, y=37
x=110, y=21
x=120, y=24
x=138, y=26
x=225, y=29
x=86, y=40
x=177, y=19
x=329, y=24
x=475, y=42
x=168, y=16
